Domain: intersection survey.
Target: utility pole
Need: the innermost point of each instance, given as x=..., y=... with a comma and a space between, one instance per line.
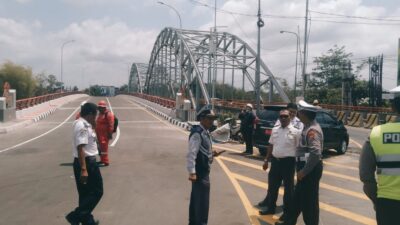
x=305, y=52
x=260, y=23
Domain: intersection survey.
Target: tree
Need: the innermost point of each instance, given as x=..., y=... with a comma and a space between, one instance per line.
x=19, y=77
x=53, y=84
x=41, y=84
x=327, y=77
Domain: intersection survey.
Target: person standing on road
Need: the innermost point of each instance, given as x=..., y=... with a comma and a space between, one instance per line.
x=309, y=169
x=381, y=153
x=89, y=181
x=199, y=159
x=294, y=120
x=247, y=118
x=281, y=151
x=104, y=130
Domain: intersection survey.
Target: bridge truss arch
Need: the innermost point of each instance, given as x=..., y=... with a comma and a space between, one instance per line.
x=137, y=77
x=205, y=65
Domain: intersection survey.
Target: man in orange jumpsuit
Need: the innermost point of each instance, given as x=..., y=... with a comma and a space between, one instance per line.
x=104, y=130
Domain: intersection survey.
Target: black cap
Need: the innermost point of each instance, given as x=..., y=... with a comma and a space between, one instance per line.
x=88, y=108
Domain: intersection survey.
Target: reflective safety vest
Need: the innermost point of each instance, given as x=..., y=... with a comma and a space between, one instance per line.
x=385, y=141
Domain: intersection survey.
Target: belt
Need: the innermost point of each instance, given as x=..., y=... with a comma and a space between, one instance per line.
x=301, y=159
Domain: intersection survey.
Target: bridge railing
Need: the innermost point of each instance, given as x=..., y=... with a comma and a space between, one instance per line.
x=357, y=108
x=166, y=102
x=29, y=102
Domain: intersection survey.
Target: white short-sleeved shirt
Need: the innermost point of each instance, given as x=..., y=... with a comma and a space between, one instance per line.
x=285, y=141
x=83, y=133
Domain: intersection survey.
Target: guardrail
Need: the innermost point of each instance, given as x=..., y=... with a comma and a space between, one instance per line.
x=29, y=102
x=169, y=103
x=357, y=108
x=358, y=116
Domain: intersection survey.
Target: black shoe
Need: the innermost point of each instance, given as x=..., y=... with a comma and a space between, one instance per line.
x=247, y=153
x=283, y=217
x=267, y=212
x=94, y=223
x=71, y=218
x=284, y=223
x=262, y=204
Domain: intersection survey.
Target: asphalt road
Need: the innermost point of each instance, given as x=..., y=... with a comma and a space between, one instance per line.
x=146, y=182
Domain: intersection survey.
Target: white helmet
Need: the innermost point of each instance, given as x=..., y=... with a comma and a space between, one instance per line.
x=249, y=105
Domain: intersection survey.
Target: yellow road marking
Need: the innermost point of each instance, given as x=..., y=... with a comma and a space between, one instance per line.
x=250, y=210
x=322, y=185
x=225, y=148
x=341, y=166
x=324, y=172
x=356, y=143
x=342, y=176
x=331, y=209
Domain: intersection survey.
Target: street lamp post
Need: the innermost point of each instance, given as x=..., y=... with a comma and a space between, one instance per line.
x=176, y=11
x=62, y=52
x=260, y=23
x=297, y=52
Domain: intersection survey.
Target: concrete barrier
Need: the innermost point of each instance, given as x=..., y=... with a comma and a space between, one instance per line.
x=340, y=115
x=391, y=118
x=371, y=120
x=356, y=120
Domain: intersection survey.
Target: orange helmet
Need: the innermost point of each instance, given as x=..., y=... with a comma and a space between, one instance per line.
x=102, y=104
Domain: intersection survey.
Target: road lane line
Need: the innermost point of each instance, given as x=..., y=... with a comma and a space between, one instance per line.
x=251, y=212
x=356, y=143
x=323, y=185
x=118, y=131
x=324, y=172
x=48, y=132
x=329, y=208
x=341, y=166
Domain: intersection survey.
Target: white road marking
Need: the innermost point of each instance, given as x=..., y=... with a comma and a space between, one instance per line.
x=356, y=143
x=48, y=132
x=118, y=131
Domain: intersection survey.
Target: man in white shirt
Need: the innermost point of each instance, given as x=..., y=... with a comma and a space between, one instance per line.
x=89, y=181
x=281, y=151
x=294, y=120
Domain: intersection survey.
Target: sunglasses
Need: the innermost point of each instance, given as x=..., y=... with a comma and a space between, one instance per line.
x=284, y=116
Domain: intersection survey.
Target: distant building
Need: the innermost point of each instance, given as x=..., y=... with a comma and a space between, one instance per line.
x=107, y=91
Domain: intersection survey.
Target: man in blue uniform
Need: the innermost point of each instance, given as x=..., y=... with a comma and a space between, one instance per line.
x=199, y=159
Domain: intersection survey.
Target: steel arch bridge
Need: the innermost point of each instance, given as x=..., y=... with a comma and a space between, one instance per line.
x=137, y=77
x=204, y=65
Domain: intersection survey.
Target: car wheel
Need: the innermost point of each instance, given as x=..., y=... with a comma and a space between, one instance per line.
x=342, y=148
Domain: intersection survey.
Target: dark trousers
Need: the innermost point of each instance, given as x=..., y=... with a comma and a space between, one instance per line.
x=281, y=169
x=89, y=193
x=248, y=139
x=306, y=196
x=387, y=211
x=199, y=201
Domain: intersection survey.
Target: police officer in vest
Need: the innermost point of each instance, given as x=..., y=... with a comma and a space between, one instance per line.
x=308, y=167
x=199, y=159
x=381, y=153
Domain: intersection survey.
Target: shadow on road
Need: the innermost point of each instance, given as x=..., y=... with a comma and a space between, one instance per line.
x=66, y=164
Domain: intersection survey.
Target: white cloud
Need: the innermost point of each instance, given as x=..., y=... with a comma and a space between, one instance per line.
x=23, y=1
x=279, y=49
x=103, y=49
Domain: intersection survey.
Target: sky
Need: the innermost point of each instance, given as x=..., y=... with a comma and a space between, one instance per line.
x=110, y=35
